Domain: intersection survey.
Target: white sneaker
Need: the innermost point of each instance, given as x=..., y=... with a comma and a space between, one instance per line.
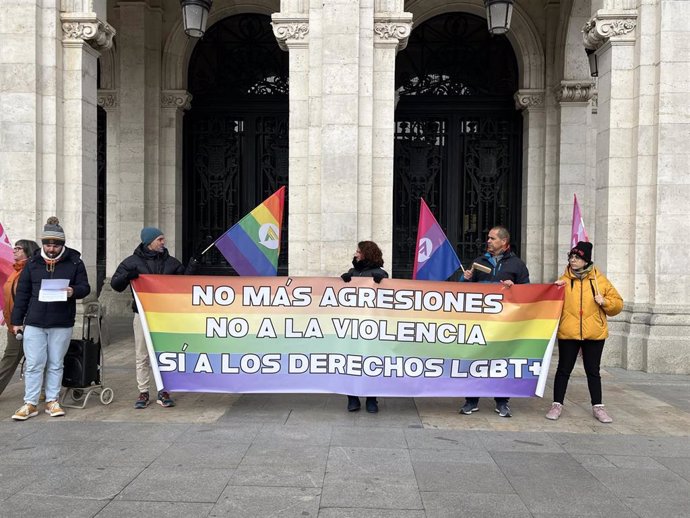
x=555, y=411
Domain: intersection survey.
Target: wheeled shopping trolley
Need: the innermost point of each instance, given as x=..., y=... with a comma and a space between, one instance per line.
x=83, y=373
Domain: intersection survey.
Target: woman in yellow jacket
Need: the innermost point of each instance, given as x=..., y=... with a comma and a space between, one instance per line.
x=23, y=249
x=589, y=299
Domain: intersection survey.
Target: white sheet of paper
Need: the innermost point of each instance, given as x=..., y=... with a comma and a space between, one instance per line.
x=53, y=290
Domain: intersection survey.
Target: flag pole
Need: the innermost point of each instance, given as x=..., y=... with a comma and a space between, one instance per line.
x=208, y=247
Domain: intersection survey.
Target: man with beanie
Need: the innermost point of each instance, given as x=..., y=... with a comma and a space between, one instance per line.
x=498, y=264
x=150, y=257
x=47, y=324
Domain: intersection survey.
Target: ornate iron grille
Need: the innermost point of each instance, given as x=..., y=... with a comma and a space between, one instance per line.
x=236, y=134
x=458, y=137
x=101, y=179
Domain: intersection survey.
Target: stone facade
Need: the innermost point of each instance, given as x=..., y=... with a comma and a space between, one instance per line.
x=618, y=141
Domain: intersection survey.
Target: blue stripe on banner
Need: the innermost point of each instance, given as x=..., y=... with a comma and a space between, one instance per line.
x=243, y=253
x=442, y=264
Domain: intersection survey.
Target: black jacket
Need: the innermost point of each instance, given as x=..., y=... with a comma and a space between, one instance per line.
x=29, y=311
x=366, y=269
x=144, y=261
x=510, y=267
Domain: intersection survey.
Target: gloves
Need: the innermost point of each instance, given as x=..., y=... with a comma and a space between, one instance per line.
x=132, y=274
x=347, y=276
x=377, y=277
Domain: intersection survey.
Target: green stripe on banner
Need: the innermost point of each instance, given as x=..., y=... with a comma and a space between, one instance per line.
x=195, y=343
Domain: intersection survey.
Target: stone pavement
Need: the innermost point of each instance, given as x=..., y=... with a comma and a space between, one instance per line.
x=304, y=455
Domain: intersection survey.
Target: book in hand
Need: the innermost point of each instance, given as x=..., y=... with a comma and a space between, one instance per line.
x=481, y=268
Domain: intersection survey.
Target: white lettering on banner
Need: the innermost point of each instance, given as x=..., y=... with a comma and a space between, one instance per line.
x=210, y=295
x=351, y=365
x=223, y=327
x=382, y=298
x=417, y=332
x=263, y=296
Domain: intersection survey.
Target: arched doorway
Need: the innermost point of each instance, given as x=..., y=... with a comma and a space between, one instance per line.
x=457, y=137
x=235, y=134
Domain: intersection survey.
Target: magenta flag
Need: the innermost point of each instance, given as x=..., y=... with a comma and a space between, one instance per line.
x=6, y=265
x=578, y=232
x=435, y=258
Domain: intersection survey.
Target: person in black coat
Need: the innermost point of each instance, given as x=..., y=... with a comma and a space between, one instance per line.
x=367, y=262
x=505, y=267
x=45, y=323
x=150, y=257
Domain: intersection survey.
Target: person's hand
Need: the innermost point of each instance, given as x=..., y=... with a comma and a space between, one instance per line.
x=132, y=274
x=507, y=283
x=559, y=282
x=378, y=277
x=599, y=299
x=70, y=291
x=17, y=329
x=347, y=276
x=467, y=274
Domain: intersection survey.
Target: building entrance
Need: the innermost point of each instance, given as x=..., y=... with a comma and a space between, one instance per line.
x=235, y=134
x=457, y=136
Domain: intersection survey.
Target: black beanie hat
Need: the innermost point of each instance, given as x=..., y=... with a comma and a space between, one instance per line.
x=583, y=249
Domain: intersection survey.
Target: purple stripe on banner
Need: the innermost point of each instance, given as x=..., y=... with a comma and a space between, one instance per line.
x=329, y=383
x=243, y=253
x=436, y=235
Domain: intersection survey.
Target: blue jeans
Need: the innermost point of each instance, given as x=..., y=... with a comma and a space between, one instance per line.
x=44, y=350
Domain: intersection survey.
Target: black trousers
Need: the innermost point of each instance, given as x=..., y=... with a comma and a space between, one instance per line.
x=591, y=359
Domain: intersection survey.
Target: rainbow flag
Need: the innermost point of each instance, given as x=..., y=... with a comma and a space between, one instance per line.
x=252, y=245
x=435, y=258
x=314, y=334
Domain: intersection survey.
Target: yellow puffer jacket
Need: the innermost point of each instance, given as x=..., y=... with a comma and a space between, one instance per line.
x=582, y=317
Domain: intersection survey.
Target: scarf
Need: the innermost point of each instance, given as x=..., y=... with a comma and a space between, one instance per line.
x=50, y=263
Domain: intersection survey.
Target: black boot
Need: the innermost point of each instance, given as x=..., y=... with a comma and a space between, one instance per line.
x=353, y=404
x=372, y=405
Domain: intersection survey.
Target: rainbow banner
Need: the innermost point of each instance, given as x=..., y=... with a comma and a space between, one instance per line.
x=315, y=334
x=252, y=245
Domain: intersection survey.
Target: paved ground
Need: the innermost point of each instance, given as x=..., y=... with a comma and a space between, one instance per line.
x=304, y=455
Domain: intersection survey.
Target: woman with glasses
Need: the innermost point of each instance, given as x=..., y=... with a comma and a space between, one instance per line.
x=23, y=249
x=589, y=299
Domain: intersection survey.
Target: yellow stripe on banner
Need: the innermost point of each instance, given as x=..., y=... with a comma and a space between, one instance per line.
x=197, y=324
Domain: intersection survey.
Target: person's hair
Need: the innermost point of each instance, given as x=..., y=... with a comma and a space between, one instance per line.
x=502, y=233
x=371, y=252
x=28, y=246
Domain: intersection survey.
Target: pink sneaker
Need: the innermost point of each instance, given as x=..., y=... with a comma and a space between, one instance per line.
x=601, y=415
x=555, y=411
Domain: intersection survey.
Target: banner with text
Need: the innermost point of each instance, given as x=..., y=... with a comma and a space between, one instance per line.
x=317, y=334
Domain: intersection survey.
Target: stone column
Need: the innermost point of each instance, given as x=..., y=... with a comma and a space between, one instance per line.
x=534, y=229
x=83, y=34
x=612, y=34
x=574, y=98
x=140, y=77
x=391, y=32
x=292, y=30
x=173, y=105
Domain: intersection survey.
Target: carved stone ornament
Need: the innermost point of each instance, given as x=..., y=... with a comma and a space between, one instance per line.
x=85, y=27
x=180, y=99
x=574, y=91
x=605, y=25
x=526, y=99
x=290, y=33
x=595, y=102
x=393, y=30
x=107, y=99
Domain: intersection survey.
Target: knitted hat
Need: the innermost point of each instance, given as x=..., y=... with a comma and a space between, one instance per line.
x=52, y=232
x=583, y=250
x=148, y=234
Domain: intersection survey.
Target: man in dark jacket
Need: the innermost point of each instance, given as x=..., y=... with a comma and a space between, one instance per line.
x=501, y=265
x=150, y=256
x=46, y=321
